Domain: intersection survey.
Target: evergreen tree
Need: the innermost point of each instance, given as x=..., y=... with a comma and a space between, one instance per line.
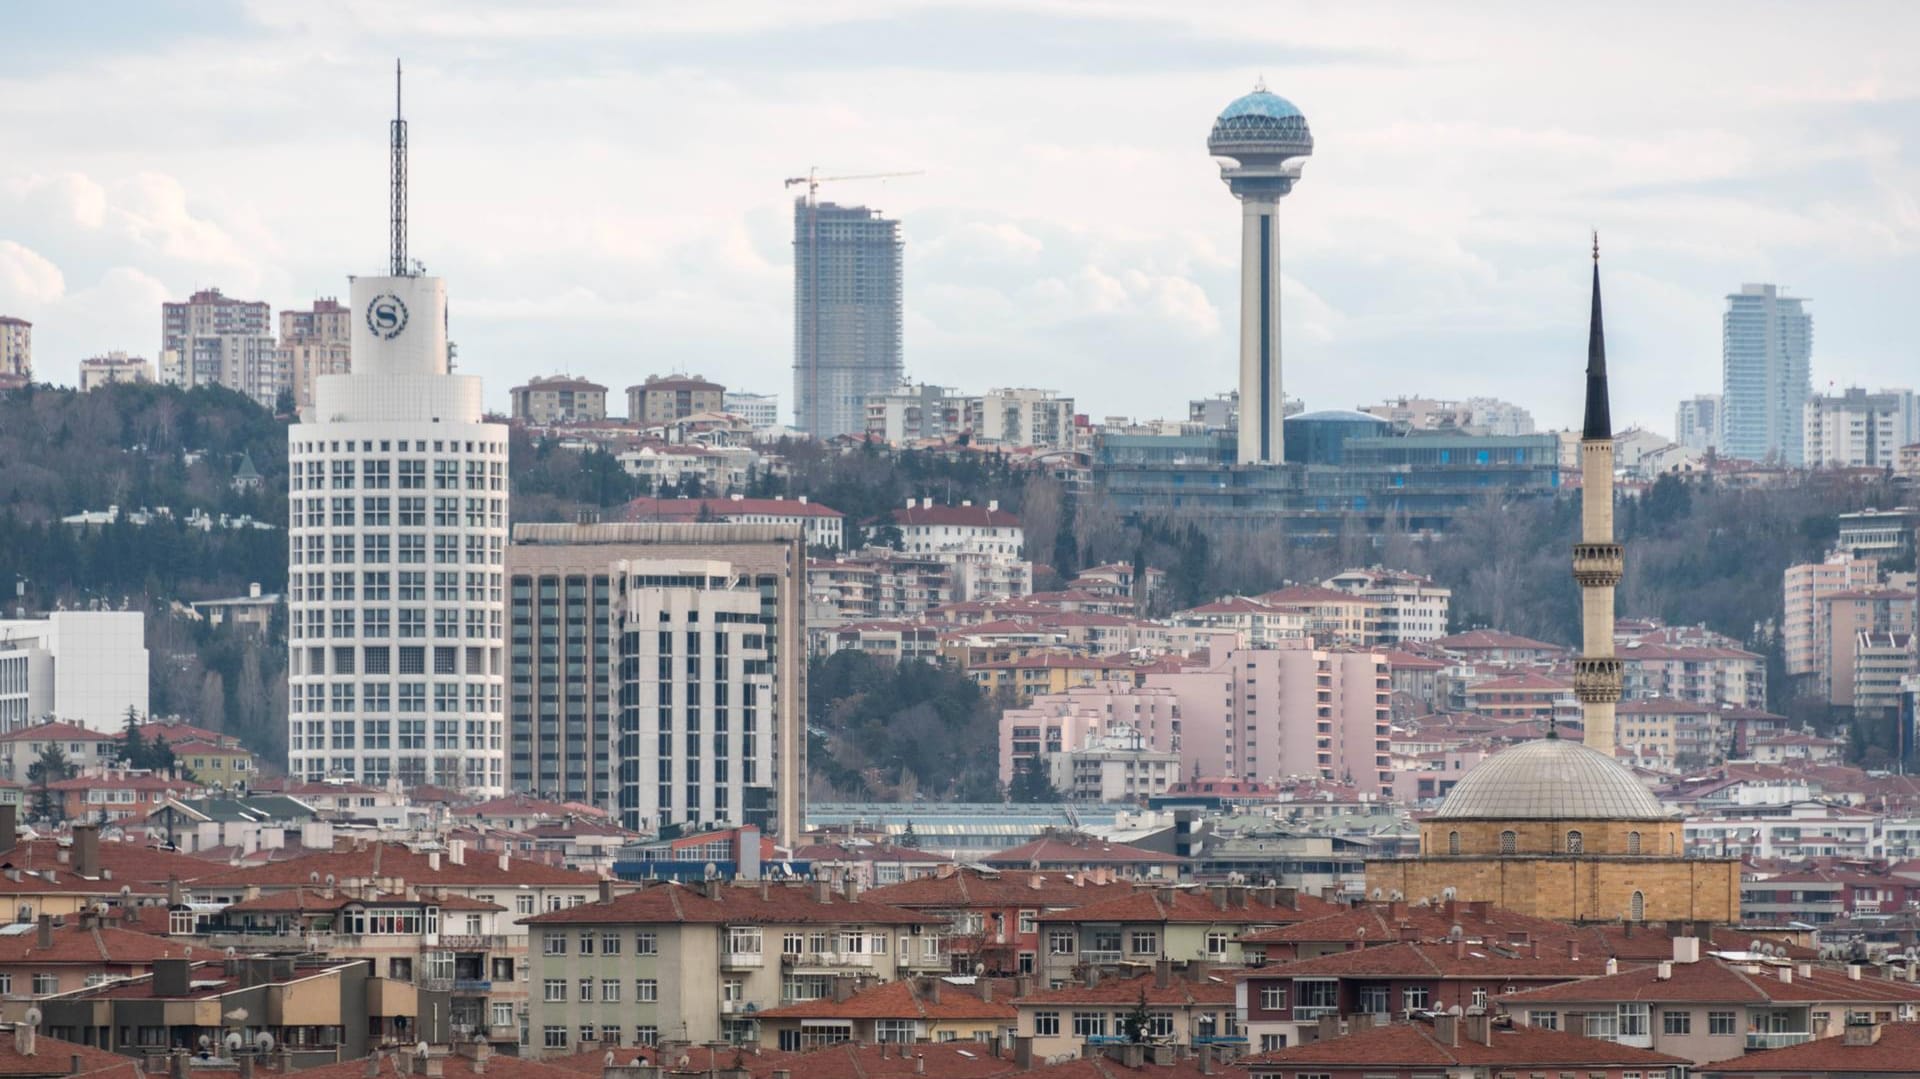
x=51, y=767
x=133, y=748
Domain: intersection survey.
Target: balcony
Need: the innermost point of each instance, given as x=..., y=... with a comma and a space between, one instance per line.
x=472, y=985
x=743, y=960
x=437, y=985
x=739, y=1007
x=1310, y=1013
x=840, y=960
x=1096, y=957
x=1776, y=1039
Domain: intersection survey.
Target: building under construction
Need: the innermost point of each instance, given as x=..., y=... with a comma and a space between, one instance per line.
x=846, y=314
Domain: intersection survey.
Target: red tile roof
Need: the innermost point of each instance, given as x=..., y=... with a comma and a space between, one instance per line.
x=689, y=509
x=972, y=887
x=955, y=517
x=1416, y=1045
x=1189, y=906
x=391, y=860
x=98, y=946
x=1714, y=980
x=56, y=732
x=1476, y=640
x=53, y=1057
x=783, y=904
x=1431, y=961
x=1075, y=850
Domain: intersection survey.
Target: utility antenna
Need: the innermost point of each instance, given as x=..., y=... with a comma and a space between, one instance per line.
x=399, y=212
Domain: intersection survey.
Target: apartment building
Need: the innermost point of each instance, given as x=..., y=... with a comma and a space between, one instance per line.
x=1153, y=922
x=700, y=963
x=665, y=398
x=982, y=544
x=214, y=340
x=677, y=652
x=1258, y=623
x=990, y=917
x=1857, y=429
x=823, y=526
x=1803, y=585
x=84, y=667
x=1191, y=1008
x=1052, y=725
x=904, y=1012
x=1707, y=1009
x=1702, y=674
x=1289, y=710
x=1333, y=617
x=16, y=350
x=90, y=752
x=878, y=582
x=1850, y=618
x=315, y=341
x=1409, y=607
x=1022, y=417
x=112, y=368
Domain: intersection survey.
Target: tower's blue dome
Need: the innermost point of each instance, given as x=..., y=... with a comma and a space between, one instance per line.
x=1261, y=122
x=1261, y=102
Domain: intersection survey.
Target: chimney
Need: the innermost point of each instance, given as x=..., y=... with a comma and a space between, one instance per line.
x=1459, y=947
x=171, y=977
x=372, y=1069
x=822, y=890
x=457, y=851
x=919, y=1064
x=933, y=988
x=986, y=991
x=1133, y=1055
x=73, y=1066
x=9, y=825
x=86, y=849
x=1219, y=896
x=174, y=894
x=850, y=888
x=23, y=1036
x=1206, y=1060
x=44, y=937
x=245, y=1062
x=178, y=1064
x=253, y=589
x=1329, y=1027
x=1533, y=949
x=433, y=860
x=1479, y=1026
x=1853, y=972
x=1686, y=949
x=505, y=857
x=1446, y=1029
x=1023, y=986
x=1613, y=965
x=1163, y=974
x=1023, y=1052
x=606, y=891
x=1663, y=971
x=1409, y=932
x=1860, y=1034
x=842, y=988
x=1786, y=975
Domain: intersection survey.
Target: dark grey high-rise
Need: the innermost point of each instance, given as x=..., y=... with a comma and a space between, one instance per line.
x=846, y=314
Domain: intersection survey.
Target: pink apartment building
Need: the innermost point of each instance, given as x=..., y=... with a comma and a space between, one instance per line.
x=1058, y=723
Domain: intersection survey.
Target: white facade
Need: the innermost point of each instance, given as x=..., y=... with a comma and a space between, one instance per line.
x=982, y=544
x=98, y=371
x=1766, y=353
x=696, y=729
x=1412, y=607
x=1496, y=417
x=760, y=410
x=1857, y=429
x=85, y=667
x=1024, y=417
x=398, y=531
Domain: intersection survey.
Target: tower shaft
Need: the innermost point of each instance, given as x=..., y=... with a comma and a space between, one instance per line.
x=397, y=216
x=1597, y=560
x=1262, y=400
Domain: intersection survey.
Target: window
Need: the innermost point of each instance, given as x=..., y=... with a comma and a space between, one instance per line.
x=1635, y=1019
x=1273, y=998
x=1576, y=843
x=554, y=1037
x=1676, y=1022
x=1633, y=842
x=1545, y=1020
x=646, y=1035
x=1638, y=907
x=896, y=1031
x=523, y=904
x=745, y=940
x=610, y=990
x=646, y=990
x=1509, y=843
x=646, y=944
x=1453, y=842
x=45, y=984
x=1027, y=917
x=1089, y=1024
x=586, y=942
x=609, y=943
x=556, y=943
x=1414, y=997
x=586, y=990
x=1145, y=942
x=503, y=1015
x=1217, y=941
x=1720, y=1024
x=1060, y=942
x=555, y=989
x=1046, y=1024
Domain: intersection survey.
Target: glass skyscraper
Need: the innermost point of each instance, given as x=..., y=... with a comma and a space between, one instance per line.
x=846, y=315
x=1766, y=348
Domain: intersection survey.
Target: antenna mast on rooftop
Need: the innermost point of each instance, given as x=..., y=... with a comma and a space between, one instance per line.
x=398, y=254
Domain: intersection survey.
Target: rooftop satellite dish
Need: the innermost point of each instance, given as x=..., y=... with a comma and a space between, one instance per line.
x=330, y=880
x=205, y=1041
x=313, y=877
x=421, y=1049
x=230, y=953
x=263, y=1042
x=33, y=1017
x=1447, y=892
x=234, y=1041
x=1377, y=893
x=607, y=1061
x=1455, y=1010
x=126, y=890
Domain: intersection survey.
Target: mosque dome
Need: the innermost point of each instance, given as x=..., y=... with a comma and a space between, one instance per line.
x=1551, y=779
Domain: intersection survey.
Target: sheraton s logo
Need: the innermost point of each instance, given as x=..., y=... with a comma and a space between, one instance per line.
x=386, y=316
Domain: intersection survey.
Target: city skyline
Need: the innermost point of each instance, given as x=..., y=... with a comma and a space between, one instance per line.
x=1434, y=234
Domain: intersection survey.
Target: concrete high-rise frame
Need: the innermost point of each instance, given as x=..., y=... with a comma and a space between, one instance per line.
x=1766, y=349
x=846, y=314
x=1266, y=138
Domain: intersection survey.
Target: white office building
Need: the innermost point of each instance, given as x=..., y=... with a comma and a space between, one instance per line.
x=760, y=410
x=398, y=533
x=85, y=667
x=1766, y=352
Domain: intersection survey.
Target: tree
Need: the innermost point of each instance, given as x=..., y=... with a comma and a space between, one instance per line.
x=133, y=748
x=49, y=768
x=1032, y=786
x=213, y=701
x=1135, y=1025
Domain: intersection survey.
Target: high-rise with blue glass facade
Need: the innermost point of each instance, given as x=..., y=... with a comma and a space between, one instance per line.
x=1766, y=349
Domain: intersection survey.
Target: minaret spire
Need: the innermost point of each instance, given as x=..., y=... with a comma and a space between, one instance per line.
x=1597, y=559
x=398, y=253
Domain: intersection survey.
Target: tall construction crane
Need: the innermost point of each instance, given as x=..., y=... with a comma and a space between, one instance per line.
x=812, y=180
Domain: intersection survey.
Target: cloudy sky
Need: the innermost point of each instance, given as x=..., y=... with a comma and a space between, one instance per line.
x=601, y=183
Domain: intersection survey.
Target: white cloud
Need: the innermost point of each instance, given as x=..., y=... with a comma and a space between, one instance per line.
x=27, y=280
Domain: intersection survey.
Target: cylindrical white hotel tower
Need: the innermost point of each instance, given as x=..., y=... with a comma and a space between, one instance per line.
x=398, y=534
x=1266, y=139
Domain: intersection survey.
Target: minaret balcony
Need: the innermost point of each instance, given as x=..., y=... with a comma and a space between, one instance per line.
x=1598, y=565
x=1597, y=681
